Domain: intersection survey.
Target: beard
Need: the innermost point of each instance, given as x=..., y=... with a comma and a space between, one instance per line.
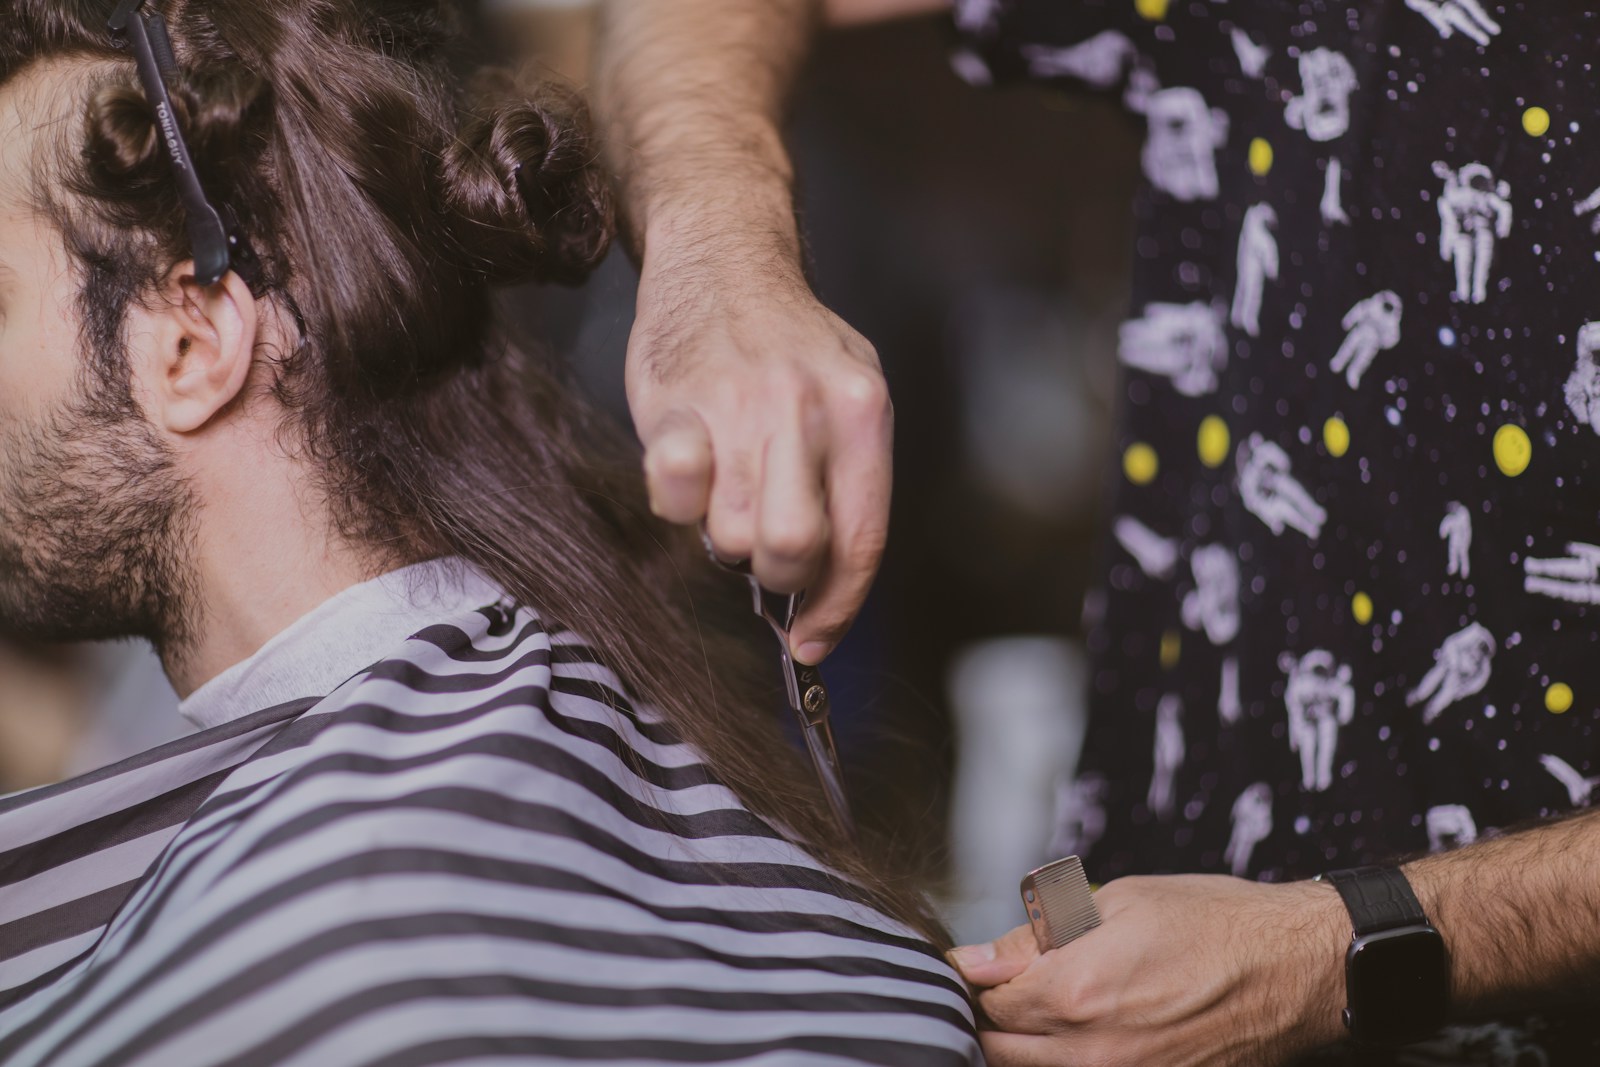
x=93, y=518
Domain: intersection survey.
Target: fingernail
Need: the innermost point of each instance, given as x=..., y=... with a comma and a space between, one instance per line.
x=973, y=955
x=811, y=653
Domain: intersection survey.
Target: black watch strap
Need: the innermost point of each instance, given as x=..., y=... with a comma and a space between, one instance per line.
x=1378, y=898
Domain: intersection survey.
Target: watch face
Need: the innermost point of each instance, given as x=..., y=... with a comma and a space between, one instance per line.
x=1398, y=983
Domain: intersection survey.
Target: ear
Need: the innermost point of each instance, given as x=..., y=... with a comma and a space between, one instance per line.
x=203, y=342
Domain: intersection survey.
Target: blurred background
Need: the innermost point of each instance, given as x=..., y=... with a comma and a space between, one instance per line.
x=980, y=241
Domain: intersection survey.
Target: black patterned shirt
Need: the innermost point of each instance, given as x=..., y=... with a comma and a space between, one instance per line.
x=1349, y=605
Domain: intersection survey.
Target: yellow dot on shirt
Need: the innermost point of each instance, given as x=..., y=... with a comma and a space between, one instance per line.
x=1213, y=441
x=1140, y=463
x=1536, y=120
x=1558, y=698
x=1154, y=10
x=1260, y=157
x=1361, y=608
x=1512, y=450
x=1171, y=646
x=1336, y=437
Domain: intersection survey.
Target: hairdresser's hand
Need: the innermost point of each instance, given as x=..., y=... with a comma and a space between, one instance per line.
x=764, y=414
x=1184, y=971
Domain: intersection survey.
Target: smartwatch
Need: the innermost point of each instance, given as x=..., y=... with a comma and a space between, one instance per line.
x=1396, y=971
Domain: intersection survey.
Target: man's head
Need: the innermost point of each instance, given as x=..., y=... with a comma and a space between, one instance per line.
x=138, y=407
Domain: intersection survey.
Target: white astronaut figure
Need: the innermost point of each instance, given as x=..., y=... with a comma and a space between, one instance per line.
x=1323, y=107
x=1588, y=204
x=1580, y=790
x=1252, y=822
x=1213, y=604
x=1097, y=62
x=1486, y=1045
x=1583, y=386
x=1461, y=668
x=1252, y=57
x=1257, y=262
x=1449, y=17
x=1450, y=826
x=1183, y=342
x=1169, y=753
x=1320, y=699
x=1080, y=815
x=1574, y=577
x=1270, y=492
x=1456, y=532
x=1156, y=555
x=1181, y=140
x=1372, y=326
x=1229, y=707
x=1474, y=212
x=977, y=16
x=1332, y=206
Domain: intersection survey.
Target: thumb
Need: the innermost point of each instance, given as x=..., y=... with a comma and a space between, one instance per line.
x=996, y=961
x=678, y=466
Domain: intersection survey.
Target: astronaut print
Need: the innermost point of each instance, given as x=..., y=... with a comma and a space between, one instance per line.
x=1583, y=387
x=1169, y=753
x=976, y=16
x=1252, y=822
x=1450, y=17
x=1320, y=700
x=1213, y=604
x=1098, y=62
x=1372, y=326
x=1455, y=529
x=1270, y=492
x=1258, y=264
x=1332, y=205
x=1574, y=577
x=1157, y=556
x=1450, y=826
x=1580, y=788
x=1080, y=815
x=1229, y=709
x=1359, y=425
x=1461, y=669
x=1182, y=137
x=1474, y=213
x=1590, y=205
x=1252, y=57
x=1323, y=107
x=1183, y=342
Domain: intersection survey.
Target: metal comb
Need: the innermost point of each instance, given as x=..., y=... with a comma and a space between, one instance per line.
x=1060, y=906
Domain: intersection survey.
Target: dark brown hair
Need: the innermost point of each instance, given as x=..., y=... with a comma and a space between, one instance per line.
x=386, y=199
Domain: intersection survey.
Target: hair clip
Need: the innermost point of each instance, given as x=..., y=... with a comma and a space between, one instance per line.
x=215, y=239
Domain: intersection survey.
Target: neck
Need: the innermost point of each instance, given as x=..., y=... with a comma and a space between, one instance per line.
x=265, y=554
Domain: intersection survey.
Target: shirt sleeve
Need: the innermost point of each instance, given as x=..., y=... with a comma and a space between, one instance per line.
x=1093, y=44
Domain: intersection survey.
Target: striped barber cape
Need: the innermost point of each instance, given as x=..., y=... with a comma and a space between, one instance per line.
x=475, y=850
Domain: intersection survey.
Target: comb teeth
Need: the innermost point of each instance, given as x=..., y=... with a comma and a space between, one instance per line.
x=1060, y=906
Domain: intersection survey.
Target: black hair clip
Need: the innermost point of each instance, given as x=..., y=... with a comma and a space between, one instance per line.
x=215, y=238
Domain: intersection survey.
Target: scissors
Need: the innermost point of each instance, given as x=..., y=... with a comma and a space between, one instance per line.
x=808, y=696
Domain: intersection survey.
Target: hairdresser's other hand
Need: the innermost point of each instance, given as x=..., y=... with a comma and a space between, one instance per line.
x=1183, y=971
x=765, y=415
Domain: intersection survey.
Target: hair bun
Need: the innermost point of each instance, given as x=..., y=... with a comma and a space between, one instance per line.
x=523, y=179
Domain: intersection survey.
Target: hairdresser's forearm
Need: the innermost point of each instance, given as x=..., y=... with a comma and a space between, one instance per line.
x=1520, y=914
x=691, y=95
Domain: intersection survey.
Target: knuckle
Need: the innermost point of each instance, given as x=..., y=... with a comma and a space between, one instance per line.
x=863, y=394
x=676, y=462
x=793, y=541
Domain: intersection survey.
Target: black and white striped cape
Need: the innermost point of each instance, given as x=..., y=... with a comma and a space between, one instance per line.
x=458, y=856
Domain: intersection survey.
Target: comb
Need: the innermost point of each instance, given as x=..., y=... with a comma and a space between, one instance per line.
x=1060, y=906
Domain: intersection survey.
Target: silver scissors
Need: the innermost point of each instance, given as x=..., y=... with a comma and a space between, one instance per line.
x=808, y=696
